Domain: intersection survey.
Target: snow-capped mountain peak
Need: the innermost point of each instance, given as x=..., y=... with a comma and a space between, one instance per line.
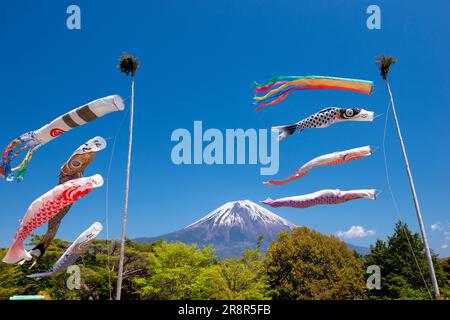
x=231, y=228
x=238, y=213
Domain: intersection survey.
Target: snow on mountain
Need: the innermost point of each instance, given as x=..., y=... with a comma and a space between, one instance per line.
x=239, y=213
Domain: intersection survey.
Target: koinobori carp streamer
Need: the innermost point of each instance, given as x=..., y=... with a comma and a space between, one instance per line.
x=325, y=118
x=280, y=87
x=321, y=197
x=44, y=208
x=35, y=139
x=73, y=168
x=329, y=159
x=71, y=255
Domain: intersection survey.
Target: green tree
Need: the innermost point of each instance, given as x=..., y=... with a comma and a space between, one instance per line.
x=305, y=264
x=445, y=265
x=403, y=265
x=246, y=276
x=13, y=280
x=178, y=271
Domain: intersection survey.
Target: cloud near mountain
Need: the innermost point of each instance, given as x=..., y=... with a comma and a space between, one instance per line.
x=355, y=232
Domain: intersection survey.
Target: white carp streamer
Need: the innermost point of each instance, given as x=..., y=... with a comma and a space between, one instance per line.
x=76, y=249
x=328, y=196
x=329, y=159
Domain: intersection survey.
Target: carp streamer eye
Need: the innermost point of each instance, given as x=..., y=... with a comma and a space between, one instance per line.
x=76, y=163
x=348, y=113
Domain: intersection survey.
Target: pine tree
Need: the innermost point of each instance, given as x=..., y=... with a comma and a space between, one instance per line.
x=403, y=266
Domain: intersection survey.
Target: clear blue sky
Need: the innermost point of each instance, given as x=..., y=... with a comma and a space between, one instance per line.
x=198, y=60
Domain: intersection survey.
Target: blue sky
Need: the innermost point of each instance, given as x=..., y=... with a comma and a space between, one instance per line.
x=198, y=59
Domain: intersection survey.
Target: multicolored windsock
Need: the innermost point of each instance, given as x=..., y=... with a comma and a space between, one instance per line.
x=76, y=249
x=325, y=118
x=321, y=197
x=35, y=139
x=44, y=208
x=280, y=87
x=329, y=159
x=73, y=168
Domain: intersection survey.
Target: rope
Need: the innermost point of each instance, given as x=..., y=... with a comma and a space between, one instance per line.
x=394, y=201
x=106, y=220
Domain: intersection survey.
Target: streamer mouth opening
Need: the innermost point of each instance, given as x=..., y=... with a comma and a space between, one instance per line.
x=119, y=102
x=365, y=115
x=98, y=143
x=97, y=180
x=372, y=194
x=97, y=226
x=365, y=151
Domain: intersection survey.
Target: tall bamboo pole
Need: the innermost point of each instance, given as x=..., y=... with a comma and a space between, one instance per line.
x=384, y=63
x=416, y=200
x=128, y=64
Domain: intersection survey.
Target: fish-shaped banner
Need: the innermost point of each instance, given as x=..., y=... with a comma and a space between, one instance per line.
x=325, y=118
x=328, y=196
x=71, y=255
x=44, y=208
x=329, y=159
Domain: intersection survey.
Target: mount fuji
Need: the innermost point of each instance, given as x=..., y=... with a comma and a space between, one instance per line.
x=231, y=228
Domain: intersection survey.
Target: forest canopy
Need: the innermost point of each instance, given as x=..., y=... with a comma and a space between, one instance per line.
x=302, y=264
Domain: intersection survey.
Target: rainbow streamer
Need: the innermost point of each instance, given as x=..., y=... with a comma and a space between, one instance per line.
x=278, y=88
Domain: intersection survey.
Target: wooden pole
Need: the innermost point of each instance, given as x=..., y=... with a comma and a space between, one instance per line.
x=416, y=201
x=127, y=188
